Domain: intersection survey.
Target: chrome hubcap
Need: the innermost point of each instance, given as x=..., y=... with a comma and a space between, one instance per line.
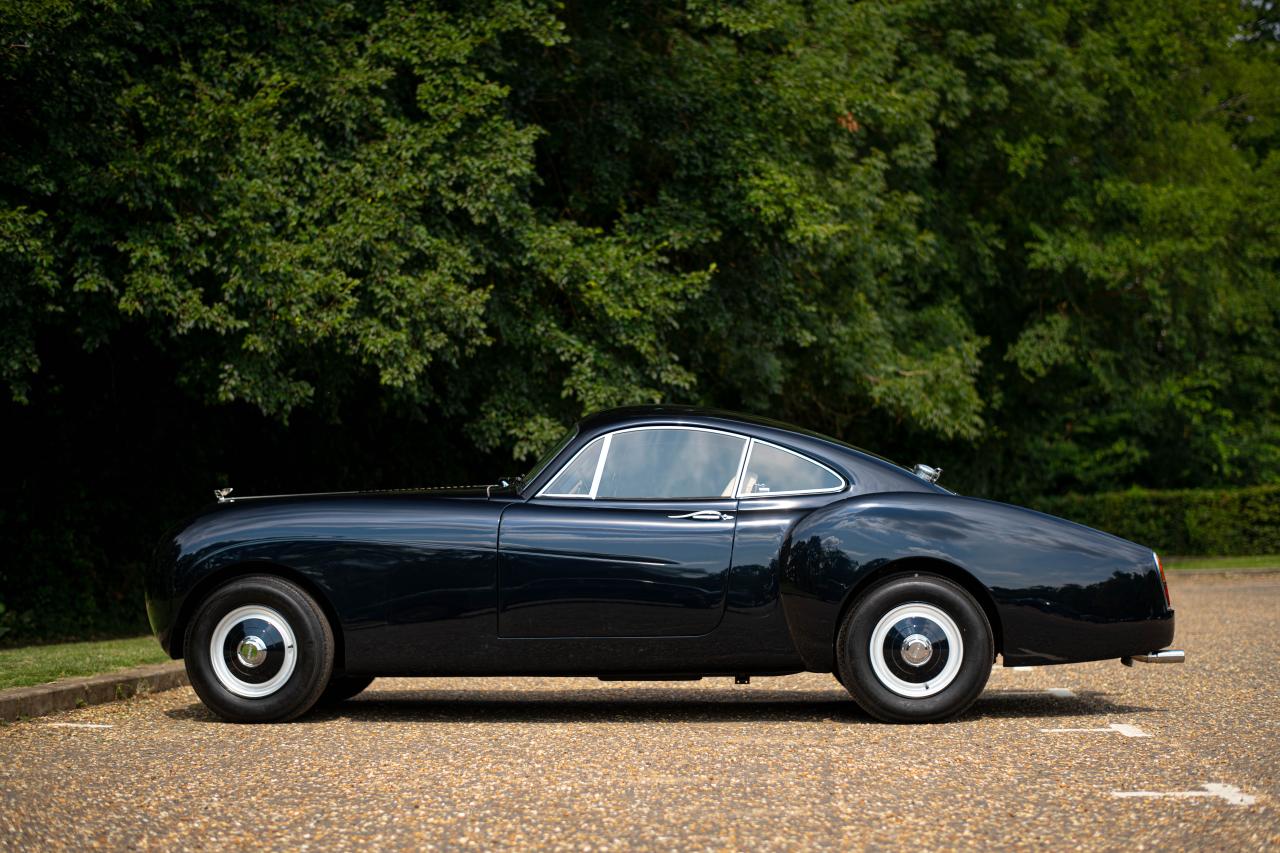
x=916, y=650
x=253, y=651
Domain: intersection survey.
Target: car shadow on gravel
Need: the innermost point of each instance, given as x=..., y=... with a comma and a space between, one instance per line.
x=650, y=705
x=1084, y=703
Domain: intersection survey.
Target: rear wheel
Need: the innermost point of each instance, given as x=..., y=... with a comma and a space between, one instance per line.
x=258, y=650
x=915, y=649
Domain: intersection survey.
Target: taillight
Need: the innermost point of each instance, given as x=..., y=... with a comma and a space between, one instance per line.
x=1163, y=583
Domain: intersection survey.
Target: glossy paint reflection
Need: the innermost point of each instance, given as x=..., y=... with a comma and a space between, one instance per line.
x=612, y=569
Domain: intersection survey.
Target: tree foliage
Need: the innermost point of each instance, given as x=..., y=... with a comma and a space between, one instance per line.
x=1042, y=238
x=1035, y=243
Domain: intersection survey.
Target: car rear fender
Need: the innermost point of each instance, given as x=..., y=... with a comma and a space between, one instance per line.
x=1054, y=590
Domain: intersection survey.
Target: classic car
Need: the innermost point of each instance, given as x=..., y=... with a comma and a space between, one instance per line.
x=655, y=542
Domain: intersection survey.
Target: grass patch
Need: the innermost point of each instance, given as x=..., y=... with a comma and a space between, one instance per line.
x=27, y=665
x=1257, y=561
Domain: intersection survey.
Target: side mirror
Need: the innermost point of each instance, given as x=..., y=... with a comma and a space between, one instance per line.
x=927, y=473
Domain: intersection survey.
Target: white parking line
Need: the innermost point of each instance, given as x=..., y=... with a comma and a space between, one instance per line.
x=1055, y=692
x=1230, y=793
x=1115, y=728
x=1022, y=668
x=81, y=725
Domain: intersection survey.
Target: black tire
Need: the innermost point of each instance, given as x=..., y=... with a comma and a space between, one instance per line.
x=302, y=676
x=931, y=611
x=343, y=687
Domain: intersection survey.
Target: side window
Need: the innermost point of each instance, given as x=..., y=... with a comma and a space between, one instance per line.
x=774, y=470
x=672, y=464
x=574, y=479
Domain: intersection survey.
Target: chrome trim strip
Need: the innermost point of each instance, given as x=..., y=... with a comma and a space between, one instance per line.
x=604, y=454
x=597, y=558
x=742, y=466
x=1163, y=656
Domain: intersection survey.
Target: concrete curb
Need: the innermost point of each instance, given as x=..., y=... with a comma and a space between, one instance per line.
x=69, y=693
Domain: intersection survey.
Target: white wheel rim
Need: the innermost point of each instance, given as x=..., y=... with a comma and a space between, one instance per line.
x=275, y=643
x=908, y=630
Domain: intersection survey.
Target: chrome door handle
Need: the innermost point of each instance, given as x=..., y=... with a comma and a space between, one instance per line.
x=705, y=515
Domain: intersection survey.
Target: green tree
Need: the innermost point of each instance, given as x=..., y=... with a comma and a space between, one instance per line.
x=345, y=243
x=1035, y=239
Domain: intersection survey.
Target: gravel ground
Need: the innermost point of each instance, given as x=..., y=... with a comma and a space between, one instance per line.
x=781, y=763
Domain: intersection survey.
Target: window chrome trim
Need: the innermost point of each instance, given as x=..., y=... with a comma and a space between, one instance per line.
x=604, y=452
x=742, y=467
x=844, y=484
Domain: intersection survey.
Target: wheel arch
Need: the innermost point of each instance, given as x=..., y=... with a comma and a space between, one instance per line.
x=224, y=574
x=929, y=566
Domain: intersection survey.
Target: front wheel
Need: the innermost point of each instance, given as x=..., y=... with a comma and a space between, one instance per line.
x=259, y=650
x=915, y=649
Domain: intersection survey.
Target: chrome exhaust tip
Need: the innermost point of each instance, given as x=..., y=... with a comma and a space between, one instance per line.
x=1162, y=656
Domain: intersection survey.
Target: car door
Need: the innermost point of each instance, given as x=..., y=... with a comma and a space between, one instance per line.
x=632, y=538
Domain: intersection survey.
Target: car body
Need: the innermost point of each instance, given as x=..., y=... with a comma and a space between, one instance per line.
x=620, y=556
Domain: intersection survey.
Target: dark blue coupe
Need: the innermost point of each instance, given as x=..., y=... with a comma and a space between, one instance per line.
x=652, y=543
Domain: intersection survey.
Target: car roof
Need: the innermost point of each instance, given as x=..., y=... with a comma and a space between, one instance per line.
x=874, y=472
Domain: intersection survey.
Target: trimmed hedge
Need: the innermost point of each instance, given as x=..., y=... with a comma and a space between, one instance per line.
x=1184, y=522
